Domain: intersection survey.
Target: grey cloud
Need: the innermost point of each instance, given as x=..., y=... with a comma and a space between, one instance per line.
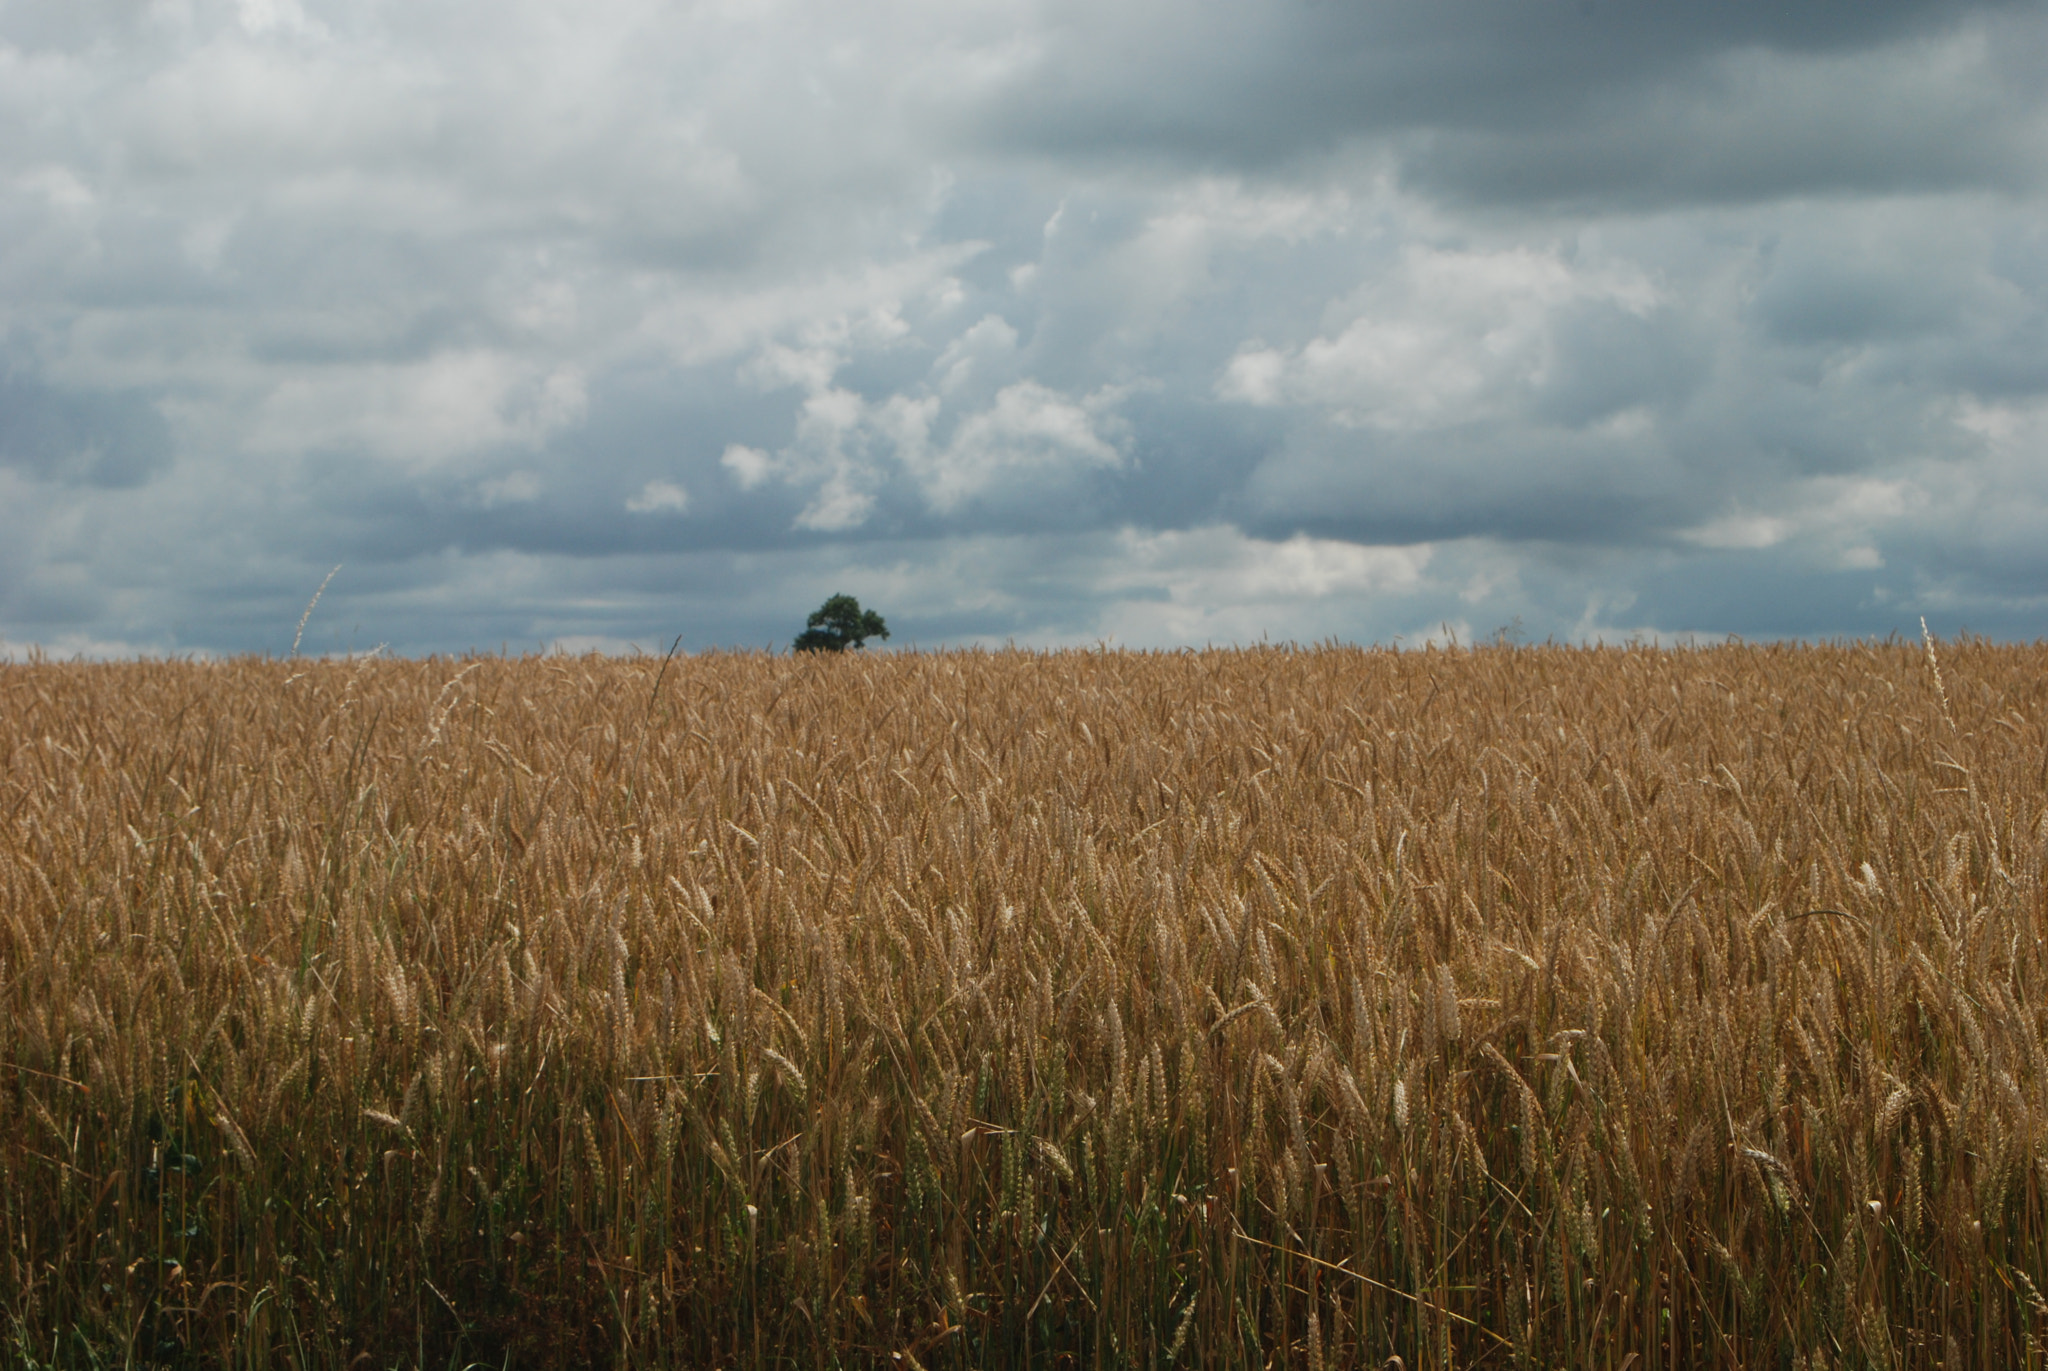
x=1609, y=360
x=1758, y=124
x=40, y=26
x=1038, y=319
x=1905, y=286
x=1745, y=595
x=1545, y=101
x=79, y=437
x=1830, y=304
x=1481, y=482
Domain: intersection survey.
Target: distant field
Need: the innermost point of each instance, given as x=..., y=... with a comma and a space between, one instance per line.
x=1510, y=1007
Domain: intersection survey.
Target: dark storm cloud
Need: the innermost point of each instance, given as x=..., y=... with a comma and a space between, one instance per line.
x=1537, y=99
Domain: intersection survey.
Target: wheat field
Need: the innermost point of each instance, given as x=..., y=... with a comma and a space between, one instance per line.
x=1617, y=1008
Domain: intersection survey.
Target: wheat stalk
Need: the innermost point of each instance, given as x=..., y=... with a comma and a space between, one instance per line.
x=958, y=1004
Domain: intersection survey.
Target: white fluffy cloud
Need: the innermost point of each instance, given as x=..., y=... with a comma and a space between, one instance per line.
x=1216, y=585
x=448, y=405
x=659, y=497
x=1445, y=337
x=1029, y=436
x=1025, y=442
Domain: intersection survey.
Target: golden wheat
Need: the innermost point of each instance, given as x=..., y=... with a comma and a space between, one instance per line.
x=1507, y=1007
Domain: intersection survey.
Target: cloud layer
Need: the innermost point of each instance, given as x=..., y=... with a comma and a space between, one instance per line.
x=1023, y=320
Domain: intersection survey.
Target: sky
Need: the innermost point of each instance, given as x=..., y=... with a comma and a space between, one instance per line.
x=619, y=323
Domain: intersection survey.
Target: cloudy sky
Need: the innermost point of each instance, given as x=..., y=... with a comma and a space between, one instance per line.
x=1057, y=321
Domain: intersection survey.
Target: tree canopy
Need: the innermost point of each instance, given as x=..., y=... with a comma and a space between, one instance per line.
x=838, y=624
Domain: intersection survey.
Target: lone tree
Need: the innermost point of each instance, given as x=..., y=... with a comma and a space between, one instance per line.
x=838, y=624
